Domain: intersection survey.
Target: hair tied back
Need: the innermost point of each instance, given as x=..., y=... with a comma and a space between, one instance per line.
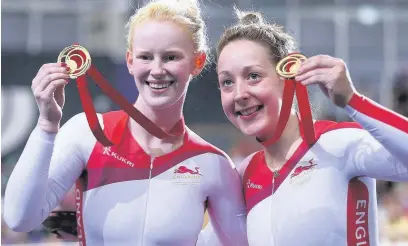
x=248, y=18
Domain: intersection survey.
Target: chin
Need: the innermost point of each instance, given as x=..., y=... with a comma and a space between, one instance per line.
x=254, y=130
x=159, y=103
x=162, y=102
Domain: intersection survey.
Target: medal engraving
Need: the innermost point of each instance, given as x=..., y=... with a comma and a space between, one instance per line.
x=288, y=66
x=77, y=59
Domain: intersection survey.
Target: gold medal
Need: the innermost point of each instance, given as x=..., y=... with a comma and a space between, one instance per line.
x=288, y=66
x=77, y=59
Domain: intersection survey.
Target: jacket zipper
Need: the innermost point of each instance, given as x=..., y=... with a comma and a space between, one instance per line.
x=147, y=198
x=275, y=174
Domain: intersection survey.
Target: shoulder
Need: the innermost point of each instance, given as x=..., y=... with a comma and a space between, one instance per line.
x=338, y=129
x=76, y=120
x=199, y=146
x=242, y=167
x=77, y=127
x=338, y=137
x=112, y=117
x=327, y=126
x=80, y=121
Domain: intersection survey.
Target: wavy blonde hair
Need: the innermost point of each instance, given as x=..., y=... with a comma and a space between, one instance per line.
x=186, y=13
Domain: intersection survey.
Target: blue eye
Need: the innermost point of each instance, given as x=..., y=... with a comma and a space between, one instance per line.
x=227, y=83
x=253, y=76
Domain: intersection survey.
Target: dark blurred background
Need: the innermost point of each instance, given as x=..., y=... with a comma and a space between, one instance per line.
x=370, y=35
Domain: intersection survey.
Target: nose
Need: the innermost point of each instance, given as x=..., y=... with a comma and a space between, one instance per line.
x=241, y=91
x=157, y=69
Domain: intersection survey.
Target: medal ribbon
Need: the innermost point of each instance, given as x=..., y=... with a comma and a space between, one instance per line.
x=287, y=68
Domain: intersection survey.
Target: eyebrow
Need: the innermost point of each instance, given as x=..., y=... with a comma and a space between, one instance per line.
x=173, y=49
x=224, y=72
x=245, y=68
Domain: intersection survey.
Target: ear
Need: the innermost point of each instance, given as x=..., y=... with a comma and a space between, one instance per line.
x=129, y=61
x=199, y=63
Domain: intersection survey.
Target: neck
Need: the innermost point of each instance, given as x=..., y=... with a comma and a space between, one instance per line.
x=279, y=152
x=165, y=118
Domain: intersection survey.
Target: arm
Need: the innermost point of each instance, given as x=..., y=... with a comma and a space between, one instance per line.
x=48, y=167
x=382, y=149
x=211, y=235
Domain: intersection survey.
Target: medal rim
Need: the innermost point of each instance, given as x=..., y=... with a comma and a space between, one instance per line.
x=298, y=57
x=86, y=62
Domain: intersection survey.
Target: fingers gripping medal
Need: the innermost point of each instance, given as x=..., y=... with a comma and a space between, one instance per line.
x=287, y=68
x=79, y=62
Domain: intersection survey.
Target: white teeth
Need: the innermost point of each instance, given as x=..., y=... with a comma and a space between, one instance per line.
x=249, y=111
x=159, y=86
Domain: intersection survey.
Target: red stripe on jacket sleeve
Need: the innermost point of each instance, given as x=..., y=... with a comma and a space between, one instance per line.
x=376, y=111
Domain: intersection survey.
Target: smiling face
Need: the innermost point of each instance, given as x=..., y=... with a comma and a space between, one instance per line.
x=251, y=90
x=162, y=61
